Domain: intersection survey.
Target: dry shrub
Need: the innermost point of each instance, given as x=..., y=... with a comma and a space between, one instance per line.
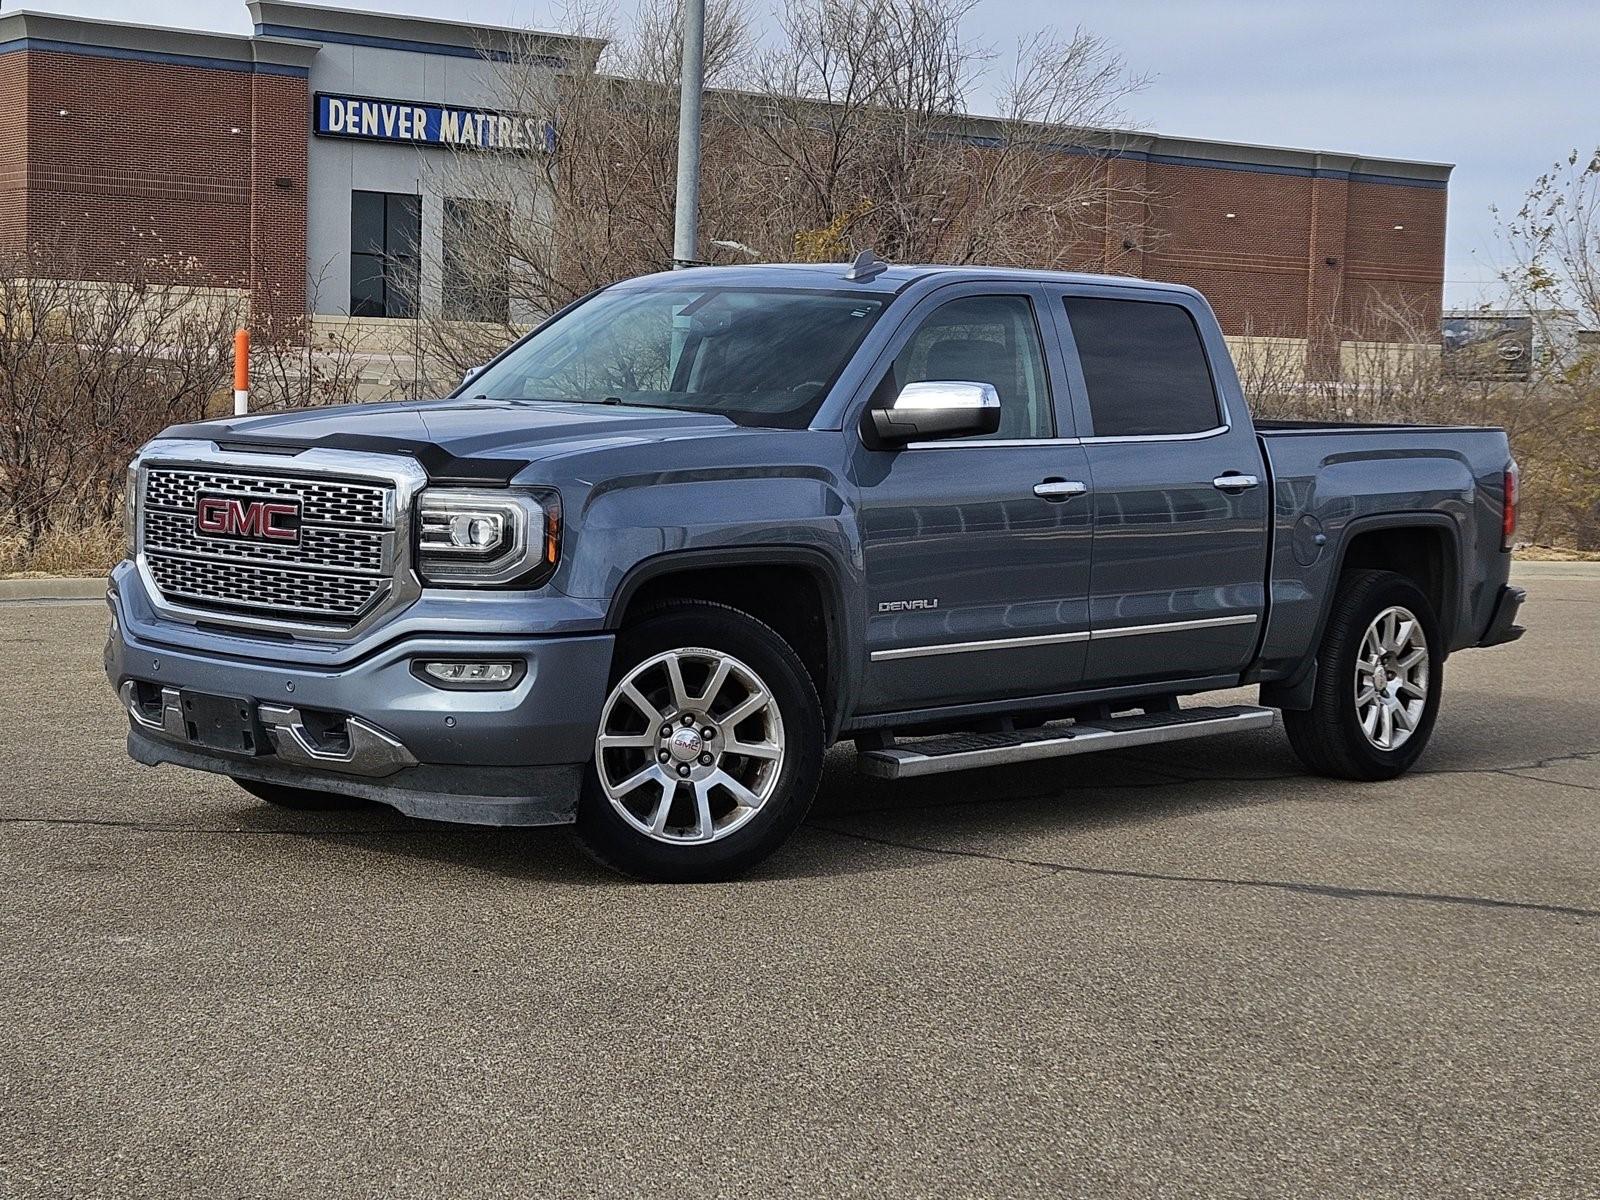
x=89, y=371
x=1553, y=420
x=91, y=549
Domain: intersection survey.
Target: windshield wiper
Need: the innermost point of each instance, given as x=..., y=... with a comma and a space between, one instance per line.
x=619, y=402
x=608, y=401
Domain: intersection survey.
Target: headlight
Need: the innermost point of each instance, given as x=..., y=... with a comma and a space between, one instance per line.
x=487, y=539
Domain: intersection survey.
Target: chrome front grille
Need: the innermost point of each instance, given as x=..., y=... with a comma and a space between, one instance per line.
x=322, y=501
x=360, y=551
x=216, y=584
x=338, y=568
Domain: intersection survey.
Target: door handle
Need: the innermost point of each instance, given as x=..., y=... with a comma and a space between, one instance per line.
x=1234, y=482
x=1057, y=490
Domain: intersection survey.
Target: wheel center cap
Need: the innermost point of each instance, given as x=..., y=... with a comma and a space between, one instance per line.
x=686, y=745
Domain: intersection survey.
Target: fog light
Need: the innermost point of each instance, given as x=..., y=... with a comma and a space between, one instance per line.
x=461, y=671
x=471, y=672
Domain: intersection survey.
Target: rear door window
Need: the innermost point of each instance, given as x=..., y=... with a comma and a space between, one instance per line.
x=1144, y=367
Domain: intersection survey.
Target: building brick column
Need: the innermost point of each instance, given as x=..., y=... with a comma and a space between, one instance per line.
x=1325, y=283
x=280, y=104
x=1127, y=215
x=14, y=153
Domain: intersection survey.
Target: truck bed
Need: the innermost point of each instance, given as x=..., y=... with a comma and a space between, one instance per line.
x=1331, y=479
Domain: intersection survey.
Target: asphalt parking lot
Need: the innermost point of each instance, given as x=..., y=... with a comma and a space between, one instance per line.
x=1184, y=971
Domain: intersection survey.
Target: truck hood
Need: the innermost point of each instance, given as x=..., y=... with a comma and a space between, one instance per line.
x=511, y=433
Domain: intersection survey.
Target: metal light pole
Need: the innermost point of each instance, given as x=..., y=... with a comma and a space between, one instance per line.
x=687, y=214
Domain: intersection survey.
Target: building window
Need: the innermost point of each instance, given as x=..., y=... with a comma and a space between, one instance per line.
x=477, y=284
x=385, y=230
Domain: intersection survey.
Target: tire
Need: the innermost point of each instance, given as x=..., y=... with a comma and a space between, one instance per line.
x=725, y=661
x=1332, y=737
x=299, y=799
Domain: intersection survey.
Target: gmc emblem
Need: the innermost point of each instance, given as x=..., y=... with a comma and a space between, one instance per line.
x=254, y=520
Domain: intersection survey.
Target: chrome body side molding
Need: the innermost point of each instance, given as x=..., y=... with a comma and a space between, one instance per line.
x=1047, y=639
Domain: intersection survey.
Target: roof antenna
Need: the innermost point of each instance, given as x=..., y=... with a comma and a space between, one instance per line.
x=867, y=267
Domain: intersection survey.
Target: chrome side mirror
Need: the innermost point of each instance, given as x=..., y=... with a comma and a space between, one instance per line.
x=469, y=375
x=938, y=409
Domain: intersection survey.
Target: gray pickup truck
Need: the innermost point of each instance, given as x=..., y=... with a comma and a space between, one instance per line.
x=644, y=567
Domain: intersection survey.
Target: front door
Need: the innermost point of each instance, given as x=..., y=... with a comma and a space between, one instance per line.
x=1180, y=497
x=976, y=549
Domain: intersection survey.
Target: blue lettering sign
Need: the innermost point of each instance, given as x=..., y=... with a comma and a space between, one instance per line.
x=420, y=124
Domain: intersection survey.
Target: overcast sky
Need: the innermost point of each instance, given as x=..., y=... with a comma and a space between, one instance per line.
x=1501, y=90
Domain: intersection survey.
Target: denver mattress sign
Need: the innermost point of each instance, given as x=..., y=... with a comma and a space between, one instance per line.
x=371, y=119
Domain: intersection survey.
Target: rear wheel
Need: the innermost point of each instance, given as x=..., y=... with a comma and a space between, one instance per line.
x=299, y=799
x=709, y=747
x=1379, y=674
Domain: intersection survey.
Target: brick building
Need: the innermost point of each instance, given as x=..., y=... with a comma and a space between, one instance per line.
x=290, y=163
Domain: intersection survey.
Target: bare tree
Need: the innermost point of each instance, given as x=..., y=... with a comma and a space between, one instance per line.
x=1552, y=241
x=297, y=362
x=530, y=229
x=854, y=126
x=1552, y=418
x=89, y=371
x=866, y=121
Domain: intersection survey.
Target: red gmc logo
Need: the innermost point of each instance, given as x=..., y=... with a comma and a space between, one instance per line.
x=256, y=520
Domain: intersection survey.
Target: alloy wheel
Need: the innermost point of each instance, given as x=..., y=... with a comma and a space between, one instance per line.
x=690, y=746
x=1391, y=678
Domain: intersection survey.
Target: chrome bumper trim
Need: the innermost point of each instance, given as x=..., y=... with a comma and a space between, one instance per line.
x=170, y=723
x=371, y=752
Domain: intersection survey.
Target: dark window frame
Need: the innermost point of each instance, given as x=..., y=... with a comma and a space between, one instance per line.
x=1218, y=421
x=396, y=266
x=464, y=294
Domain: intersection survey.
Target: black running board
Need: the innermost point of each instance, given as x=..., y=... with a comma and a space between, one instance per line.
x=964, y=751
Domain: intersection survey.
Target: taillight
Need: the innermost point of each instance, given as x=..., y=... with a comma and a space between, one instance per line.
x=1508, y=519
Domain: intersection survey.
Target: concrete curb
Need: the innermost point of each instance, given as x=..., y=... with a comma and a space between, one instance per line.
x=52, y=589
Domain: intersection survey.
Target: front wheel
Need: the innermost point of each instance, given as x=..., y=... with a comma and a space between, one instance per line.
x=709, y=747
x=1380, y=669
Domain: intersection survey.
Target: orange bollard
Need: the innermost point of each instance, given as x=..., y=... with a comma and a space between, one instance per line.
x=241, y=372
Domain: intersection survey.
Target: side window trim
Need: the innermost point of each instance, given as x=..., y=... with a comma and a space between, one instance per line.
x=1050, y=352
x=1078, y=385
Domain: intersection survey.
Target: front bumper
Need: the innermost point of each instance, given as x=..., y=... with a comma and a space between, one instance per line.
x=367, y=726
x=1503, y=625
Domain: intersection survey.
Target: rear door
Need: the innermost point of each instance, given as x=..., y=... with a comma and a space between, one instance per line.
x=1180, y=500
x=976, y=550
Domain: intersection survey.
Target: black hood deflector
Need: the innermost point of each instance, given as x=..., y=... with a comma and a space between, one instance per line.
x=443, y=468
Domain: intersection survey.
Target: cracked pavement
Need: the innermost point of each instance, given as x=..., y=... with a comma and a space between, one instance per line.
x=1178, y=971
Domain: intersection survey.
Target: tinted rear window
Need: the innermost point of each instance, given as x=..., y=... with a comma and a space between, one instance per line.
x=1144, y=366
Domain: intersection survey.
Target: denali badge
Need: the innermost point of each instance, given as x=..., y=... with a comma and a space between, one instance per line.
x=906, y=605
x=256, y=520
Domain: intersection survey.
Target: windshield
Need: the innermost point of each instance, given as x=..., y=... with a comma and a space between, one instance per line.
x=758, y=356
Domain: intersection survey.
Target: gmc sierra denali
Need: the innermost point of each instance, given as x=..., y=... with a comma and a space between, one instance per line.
x=643, y=568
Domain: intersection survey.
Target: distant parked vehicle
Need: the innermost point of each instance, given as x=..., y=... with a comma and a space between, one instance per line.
x=645, y=566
